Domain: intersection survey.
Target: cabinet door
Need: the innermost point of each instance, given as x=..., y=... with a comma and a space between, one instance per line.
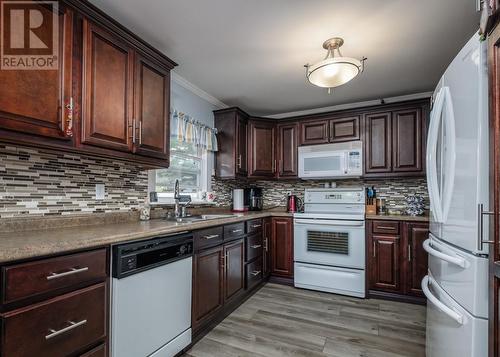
x=345, y=129
x=385, y=263
x=378, y=143
x=208, y=277
x=262, y=160
x=152, y=108
x=241, y=145
x=282, y=247
x=266, y=256
x=34, y=101
x=287, y=150
x=407, y=140
x=416, y=256
x=314, y=132
x=234, y=269
x=107, y=90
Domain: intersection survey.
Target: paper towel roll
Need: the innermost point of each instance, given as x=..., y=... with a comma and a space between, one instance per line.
x=238, y=201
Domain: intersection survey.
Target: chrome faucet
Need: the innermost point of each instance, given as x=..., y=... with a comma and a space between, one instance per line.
x=177, y=208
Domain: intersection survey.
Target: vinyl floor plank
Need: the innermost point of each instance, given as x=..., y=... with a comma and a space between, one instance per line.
x=283, y=321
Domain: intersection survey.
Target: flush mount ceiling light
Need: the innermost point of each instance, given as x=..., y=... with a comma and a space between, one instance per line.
x=335, y=69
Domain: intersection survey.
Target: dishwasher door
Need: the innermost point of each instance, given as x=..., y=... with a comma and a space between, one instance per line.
x=151, y=311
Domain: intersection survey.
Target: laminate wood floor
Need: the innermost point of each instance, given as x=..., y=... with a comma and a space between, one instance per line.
x=283, y=321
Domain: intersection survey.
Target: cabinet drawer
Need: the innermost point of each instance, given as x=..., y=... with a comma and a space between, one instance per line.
x=57, y=327
x=48, y=275
x=233, y=231
x=253, y=273
x=386, y=227
x=99, y=351
x=253, y=246
x=255, y=225
x=207, y=237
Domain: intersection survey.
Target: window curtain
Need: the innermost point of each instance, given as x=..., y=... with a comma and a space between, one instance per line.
x=186, y=129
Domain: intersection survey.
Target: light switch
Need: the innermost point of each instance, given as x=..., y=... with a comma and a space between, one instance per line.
x=100, y=191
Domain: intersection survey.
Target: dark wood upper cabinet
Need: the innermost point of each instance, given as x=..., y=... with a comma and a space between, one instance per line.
x=378, y=143
x=287, y=150
x=345, y=129
x=242, y=145
x=262, y=149
x=385, y=263
x=152, y=108
x=416, y=256
x=107, y=89
x=314, y=132
x=407, y=140
x=234, y=279
x=232, y=135
x=208, y=278
x=34, y=102
x=282, y=247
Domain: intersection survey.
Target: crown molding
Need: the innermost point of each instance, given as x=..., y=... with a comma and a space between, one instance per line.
x=367, y=103
x=197, y=91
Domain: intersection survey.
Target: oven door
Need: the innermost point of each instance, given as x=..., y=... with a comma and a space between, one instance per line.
x=322, y=164
x=330, y=242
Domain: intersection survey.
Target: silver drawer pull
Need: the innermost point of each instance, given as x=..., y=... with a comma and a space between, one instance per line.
x=237, y=231
x=385, y=227
x=66, y=273
x=256, y=272
x=257, y=226
x=211, y=236
x=256, y=246
x=72, y=325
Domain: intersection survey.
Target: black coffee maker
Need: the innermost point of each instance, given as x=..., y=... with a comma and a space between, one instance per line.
x=253, y=200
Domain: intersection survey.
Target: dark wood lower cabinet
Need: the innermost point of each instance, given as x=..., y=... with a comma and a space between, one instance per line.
x=396, y=259
x=385, y=263
x=266, y=256
x=233, y=269
x=47, y=312
x=282, y=247
x=416, y=256
x=208, y=280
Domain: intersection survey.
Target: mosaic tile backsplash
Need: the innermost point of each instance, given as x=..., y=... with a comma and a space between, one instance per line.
x=275, y=192
x=46, y=183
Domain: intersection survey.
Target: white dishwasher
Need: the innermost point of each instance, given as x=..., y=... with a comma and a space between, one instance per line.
x=151, y=297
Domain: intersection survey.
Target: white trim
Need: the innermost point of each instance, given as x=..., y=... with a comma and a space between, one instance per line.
x=197, y=91
x=367, y=103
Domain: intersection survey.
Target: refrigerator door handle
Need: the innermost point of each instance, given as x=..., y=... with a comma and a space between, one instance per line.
x=449, y=123
x=440, y=255
x=426, y=281
x=432, y=141
x=480, y=214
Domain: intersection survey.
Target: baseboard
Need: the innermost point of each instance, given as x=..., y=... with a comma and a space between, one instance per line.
x=281, y=280
x=396, y=297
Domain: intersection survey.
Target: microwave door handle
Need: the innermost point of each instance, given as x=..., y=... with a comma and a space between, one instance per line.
x=346, y=163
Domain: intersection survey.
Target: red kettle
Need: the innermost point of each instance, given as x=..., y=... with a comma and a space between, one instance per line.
x=293, y=203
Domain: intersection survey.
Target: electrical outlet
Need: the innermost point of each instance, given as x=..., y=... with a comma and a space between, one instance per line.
x=100, y=191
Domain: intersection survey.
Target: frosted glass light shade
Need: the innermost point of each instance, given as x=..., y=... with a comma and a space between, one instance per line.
x=333, y=72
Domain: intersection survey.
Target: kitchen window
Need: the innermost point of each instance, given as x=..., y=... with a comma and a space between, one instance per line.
x=189, y=164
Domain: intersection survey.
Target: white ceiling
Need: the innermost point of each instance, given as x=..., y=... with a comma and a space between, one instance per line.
x=250, y=53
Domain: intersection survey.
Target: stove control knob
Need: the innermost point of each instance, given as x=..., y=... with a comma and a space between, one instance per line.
x=182, y=249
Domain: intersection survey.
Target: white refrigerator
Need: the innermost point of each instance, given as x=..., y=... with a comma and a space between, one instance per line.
x=457, y=176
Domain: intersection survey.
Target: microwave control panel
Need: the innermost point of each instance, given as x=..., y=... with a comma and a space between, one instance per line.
x=354, y=161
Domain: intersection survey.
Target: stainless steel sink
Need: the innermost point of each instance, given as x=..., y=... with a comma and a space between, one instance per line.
x=201, y=217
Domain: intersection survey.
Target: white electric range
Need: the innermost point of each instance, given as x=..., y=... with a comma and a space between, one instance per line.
x=329, y=241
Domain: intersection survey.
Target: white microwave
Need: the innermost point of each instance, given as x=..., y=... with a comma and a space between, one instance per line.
x=342, y=160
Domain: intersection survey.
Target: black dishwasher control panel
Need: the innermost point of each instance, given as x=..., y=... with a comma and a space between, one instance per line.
x=136, y=257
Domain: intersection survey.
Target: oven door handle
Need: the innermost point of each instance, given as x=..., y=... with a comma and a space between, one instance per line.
x=330, y=222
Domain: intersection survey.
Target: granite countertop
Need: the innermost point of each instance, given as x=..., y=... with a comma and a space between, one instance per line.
x=37, y=243
x=398, y=217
